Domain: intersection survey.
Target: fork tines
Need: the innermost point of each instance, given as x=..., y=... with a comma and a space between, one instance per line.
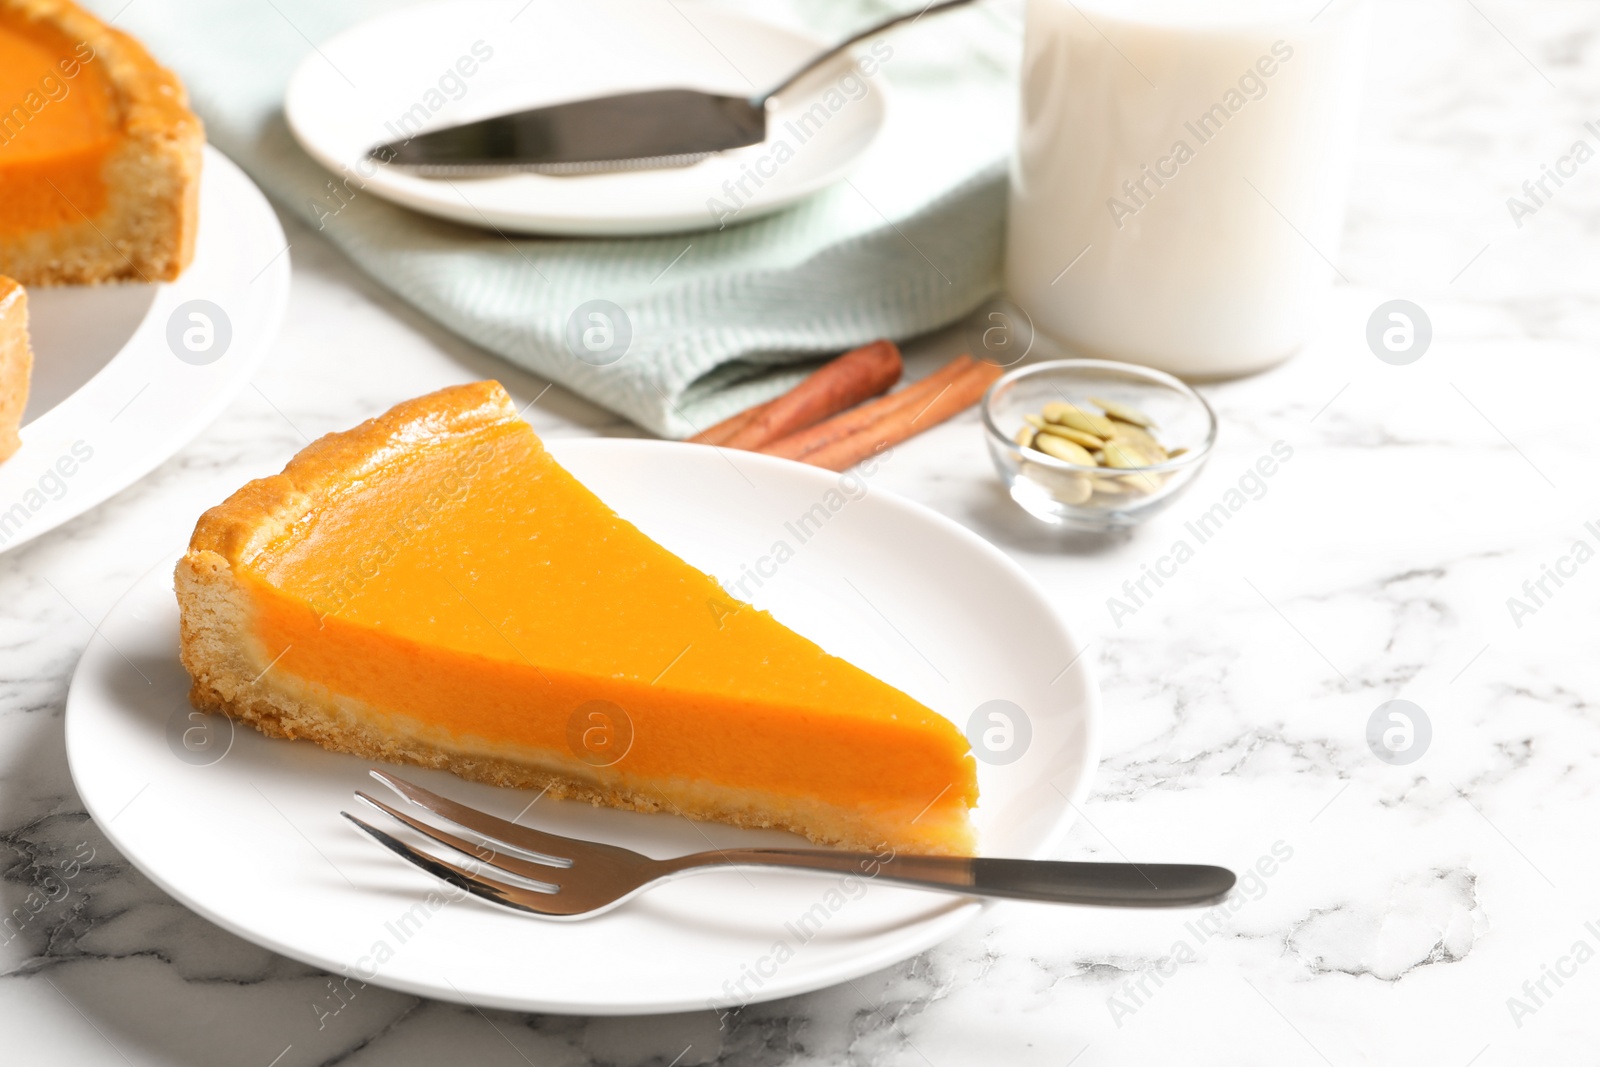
x=537, y=862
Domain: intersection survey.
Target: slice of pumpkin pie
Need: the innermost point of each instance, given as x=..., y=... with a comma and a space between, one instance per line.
x=431, y=587
x=99, y=152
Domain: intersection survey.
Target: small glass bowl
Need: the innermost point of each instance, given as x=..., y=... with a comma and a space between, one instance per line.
x=1094, y=498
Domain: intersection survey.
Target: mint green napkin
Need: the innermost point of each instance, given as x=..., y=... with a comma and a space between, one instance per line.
x=912, y=243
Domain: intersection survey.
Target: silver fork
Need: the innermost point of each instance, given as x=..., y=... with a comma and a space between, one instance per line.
x=565, y=878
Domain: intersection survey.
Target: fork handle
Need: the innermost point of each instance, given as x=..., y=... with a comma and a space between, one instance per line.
x=1118, y=885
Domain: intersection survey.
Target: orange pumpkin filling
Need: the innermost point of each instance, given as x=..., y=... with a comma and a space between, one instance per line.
x=463, y=589
x=58, y=126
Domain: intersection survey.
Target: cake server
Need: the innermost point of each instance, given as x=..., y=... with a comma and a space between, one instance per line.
x=627, y=131
x=559, y=877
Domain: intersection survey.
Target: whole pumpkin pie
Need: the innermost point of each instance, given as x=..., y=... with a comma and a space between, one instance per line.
x=16, y=363
x=431, y=587
x=99, y=152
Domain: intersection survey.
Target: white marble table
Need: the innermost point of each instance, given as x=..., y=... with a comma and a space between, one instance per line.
x=1439, y=912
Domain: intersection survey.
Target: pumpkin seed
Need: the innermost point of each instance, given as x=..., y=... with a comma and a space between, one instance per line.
x=1077, y=418
x=1062, y=449
x=1112, y=487
x=1144, y=482
x=1077, y=437
x=1065, y=486
x=1123, y=412
x=1128, y=433
x=1121, y=455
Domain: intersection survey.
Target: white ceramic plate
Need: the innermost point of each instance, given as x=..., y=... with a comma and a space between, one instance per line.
x=111, y=399
x=246, y=830
x=407, y=71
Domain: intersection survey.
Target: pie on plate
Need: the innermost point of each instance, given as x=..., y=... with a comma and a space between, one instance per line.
x=99, y=152
x=432, y=588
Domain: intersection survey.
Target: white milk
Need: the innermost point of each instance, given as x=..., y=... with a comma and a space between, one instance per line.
x=1180, y=175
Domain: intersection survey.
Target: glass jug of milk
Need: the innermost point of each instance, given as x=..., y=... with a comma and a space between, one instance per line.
x=1180, y=176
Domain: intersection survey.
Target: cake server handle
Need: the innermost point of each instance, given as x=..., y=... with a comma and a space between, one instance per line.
x=1113, y=885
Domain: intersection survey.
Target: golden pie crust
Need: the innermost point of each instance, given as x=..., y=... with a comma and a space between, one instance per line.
x=16, y=363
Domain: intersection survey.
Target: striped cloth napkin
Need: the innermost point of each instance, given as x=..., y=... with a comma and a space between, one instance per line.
x=911, y=243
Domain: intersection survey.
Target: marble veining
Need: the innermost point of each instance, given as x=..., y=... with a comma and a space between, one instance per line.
x=1436, y=912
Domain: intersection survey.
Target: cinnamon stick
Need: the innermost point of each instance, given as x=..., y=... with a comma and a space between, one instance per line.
x=838, y=384
x=907, y=421
x=797, y=445
x=723, y=432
